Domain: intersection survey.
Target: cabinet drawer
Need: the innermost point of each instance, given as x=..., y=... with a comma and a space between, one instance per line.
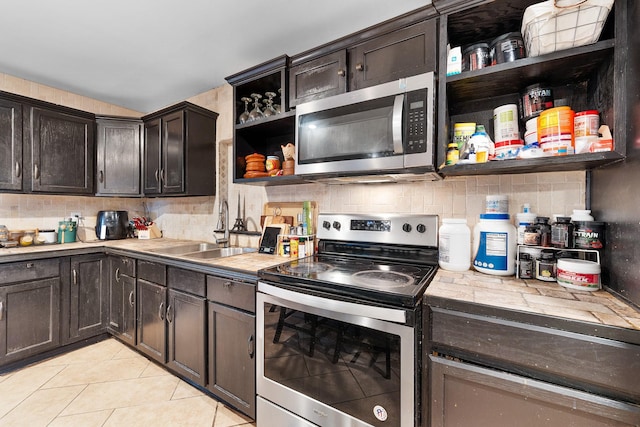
x=574, y=359
x=152, y=272
x=187, y=281
x=230, y=292
x=29, y=270
x=124, y=265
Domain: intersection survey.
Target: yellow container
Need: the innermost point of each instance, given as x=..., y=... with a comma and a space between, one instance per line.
x=462, y=132
x=556, y=131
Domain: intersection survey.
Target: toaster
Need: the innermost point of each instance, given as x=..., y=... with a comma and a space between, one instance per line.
x=112, y=225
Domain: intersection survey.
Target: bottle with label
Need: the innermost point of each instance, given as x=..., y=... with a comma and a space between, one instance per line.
x=546, y=266
x=524, y=219
x=454, y=245
x=293, y=247
x=542, y=222
x=308, y=220
x=562, y=233
x=525, y=268
x=494, y=245
x=484, y=146
x=453, y=154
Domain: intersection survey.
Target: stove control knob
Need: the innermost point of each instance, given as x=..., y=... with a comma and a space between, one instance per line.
x=326, y=225
x=406, y=227
x=421, y=228
x=336, y=225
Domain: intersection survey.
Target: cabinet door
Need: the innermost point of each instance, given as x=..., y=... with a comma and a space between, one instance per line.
x=402, y=53
x=463, y=395
x=62, y=149
x=232, y=366
x=89, y=296
x=152, y=304
x=122, y=297
x=318, y=78
x=152, y=156
x=10, y=145
x=29, y=318
x=118, y=157
x=128, y=325
x=173, y=153
x=186, y=318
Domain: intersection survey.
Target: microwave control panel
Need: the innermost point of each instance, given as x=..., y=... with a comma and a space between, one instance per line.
x=416, y=121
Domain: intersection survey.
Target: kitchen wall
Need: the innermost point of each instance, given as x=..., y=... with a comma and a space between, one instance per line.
x=196, y=217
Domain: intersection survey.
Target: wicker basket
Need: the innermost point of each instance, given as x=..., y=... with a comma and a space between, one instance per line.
x=562, y=24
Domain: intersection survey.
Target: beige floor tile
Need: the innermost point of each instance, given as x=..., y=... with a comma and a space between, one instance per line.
x=90, y=419
x=195, y=411
x=226, y=417
x=127, y=352
x=22, y=383
x=98, y=372
x=120, y=394
x=153, y=370
x=184, y=390
x=41, y=407
x=103, y=350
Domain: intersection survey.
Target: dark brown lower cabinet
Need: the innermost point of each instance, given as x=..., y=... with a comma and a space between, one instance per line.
x=122, y=298
x=463, y=394
x=89, y=292
x=29, y=317
x=152, y=305
x=186, y=316
x=232, y=366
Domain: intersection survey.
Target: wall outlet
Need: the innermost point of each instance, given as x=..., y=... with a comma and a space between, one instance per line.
x=75, y=216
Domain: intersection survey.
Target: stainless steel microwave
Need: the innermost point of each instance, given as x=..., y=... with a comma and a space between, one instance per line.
x=358, y=136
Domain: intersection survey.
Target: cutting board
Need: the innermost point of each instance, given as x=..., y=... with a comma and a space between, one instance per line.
x=287, y=210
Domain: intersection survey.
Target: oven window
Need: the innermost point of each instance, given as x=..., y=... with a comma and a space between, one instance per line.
x=357, y=131
x=349, y=367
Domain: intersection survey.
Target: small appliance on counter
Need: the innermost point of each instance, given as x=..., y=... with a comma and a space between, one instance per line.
x=112, y=225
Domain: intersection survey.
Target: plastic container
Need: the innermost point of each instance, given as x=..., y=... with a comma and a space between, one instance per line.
x=483, y=145
x=475, y=57
x=562, y=233
x=546, y=268
x=535, y=99
x=494, y=241
x=67, y=231
x=524, y=219
x=4, y=233
x=581, y=215
x=508, y=149
x=453, y=154
x=555, y=131
x=507, y=48
x=505, y=123
x=272, y=163
x=578, y=274
x=589, y=234
x=462, y=132
x=497, y=203
x=454, y=245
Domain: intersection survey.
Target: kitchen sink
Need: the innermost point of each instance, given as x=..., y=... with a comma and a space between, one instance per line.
x=186, y=248
x=219, y=253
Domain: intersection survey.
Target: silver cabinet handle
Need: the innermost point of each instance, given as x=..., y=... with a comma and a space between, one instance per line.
x=75, y=277
x=169, y=314
x=30, y=265
x=161, y=311
x=341, y=73
x=227, y=284
x=163, y=175
x=118, y=274
x=36, y=172
x=156, y=174
x=18, y=170
x=1, y=310
x=131, y=300
x=251, y=346
x=359, y=67
x=101, y=177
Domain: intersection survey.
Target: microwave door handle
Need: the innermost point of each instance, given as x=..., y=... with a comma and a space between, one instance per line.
x=396, y=124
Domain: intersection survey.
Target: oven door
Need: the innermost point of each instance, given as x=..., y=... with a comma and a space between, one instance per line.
x=333, y=363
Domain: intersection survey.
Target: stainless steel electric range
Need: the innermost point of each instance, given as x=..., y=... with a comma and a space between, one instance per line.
x=338, y=333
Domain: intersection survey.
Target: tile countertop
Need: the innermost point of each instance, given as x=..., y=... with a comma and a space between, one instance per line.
x=535, y=297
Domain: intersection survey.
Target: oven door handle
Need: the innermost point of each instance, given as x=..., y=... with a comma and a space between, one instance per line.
x=396, y=124
x=334, y=305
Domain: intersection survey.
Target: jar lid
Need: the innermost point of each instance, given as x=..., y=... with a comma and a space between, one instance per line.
x=578, y=265
x=454, y=221
x=588, y=112
x=494, y=216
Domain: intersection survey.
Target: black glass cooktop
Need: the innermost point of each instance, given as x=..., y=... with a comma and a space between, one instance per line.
x=385, y=282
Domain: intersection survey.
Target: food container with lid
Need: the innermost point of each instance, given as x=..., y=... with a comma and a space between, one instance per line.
x=578, y=274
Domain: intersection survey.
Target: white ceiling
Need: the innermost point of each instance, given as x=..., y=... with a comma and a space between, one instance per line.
x=146, y=54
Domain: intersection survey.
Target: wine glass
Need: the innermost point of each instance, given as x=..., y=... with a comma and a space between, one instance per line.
x=245, y=115
x=256, y=113
x=269, y=110
x=278, y=107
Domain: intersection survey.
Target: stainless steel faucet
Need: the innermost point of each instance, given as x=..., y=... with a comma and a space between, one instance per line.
x=223, y=224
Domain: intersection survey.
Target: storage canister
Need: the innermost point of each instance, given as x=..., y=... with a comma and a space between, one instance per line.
x=494, y=242
x=462, y=132
x=497, y=203
x=586, y=123
x=454, y=245
x=535, y=99
x=506, y=48
x=588, y=234
x=476, y=57
x=505, y=123
x=562, y=233
x=546, y=266
x=578, y=274
x=555, y=131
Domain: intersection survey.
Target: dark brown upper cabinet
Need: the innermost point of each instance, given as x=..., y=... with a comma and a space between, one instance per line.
x=118, y=156
x=45, y=148
x=318, y=78
x=179, y=153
